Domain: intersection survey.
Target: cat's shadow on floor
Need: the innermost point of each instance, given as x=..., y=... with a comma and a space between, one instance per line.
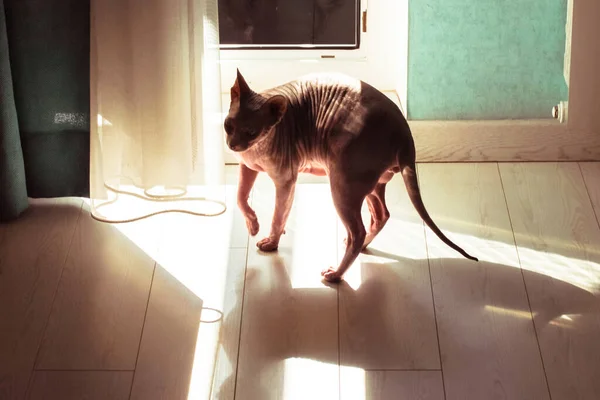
x=389, y=321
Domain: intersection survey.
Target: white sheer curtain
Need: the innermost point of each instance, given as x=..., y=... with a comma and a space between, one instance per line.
x=156, y=135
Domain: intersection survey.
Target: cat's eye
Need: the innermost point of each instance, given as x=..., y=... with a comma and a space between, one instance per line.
x=247, y=132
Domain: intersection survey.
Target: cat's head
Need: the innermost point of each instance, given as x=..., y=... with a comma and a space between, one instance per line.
x=251, y=115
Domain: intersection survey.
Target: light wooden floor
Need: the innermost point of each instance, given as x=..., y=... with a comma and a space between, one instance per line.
x=96, y=311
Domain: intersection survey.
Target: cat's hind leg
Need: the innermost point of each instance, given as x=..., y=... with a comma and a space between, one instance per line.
x=377, y=207
x=348, y=196
x=379, y=213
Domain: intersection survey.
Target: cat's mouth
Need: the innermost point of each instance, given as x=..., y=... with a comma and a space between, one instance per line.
x=237, y=147
x=243, y=145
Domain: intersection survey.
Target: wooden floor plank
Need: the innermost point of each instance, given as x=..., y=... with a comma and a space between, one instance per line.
x=466, y=200
x=96, y=321
x=168, y=343
x=33, y=250
x=289, y=337
x=77, y=385
x=225, y=369
x=357, y=384
x=487, y=341
x=559, y=246
x=386, y=309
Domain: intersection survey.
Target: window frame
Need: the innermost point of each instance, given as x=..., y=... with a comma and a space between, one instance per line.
x=234, y=53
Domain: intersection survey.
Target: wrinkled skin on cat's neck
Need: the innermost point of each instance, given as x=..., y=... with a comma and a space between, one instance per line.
x=326, y=124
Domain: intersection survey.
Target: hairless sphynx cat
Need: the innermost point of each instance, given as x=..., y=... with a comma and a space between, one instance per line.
x=324, y=124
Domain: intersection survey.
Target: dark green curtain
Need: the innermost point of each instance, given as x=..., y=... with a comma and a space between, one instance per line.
x=44, y=101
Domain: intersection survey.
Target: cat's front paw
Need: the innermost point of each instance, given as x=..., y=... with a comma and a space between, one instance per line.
x=267, y=244
x=331, y=275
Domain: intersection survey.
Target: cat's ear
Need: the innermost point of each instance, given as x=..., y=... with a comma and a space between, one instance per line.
x=240, y=87
x=274, y=108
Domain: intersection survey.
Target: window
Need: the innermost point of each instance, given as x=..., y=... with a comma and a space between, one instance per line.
x=289, y=24
x=274, y=41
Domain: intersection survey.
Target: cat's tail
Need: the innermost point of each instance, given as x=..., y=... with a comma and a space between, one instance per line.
x=409, y=174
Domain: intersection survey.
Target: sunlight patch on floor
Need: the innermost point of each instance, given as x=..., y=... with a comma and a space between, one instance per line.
x=145, y=234
x=508, y=311
x=312, y=226
x=204, y=359
x=584, y=274
x=304, y=379
x=400, y=239
x=354, y=383
x=581, y=273
x=354, y=276
x=565, y=321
